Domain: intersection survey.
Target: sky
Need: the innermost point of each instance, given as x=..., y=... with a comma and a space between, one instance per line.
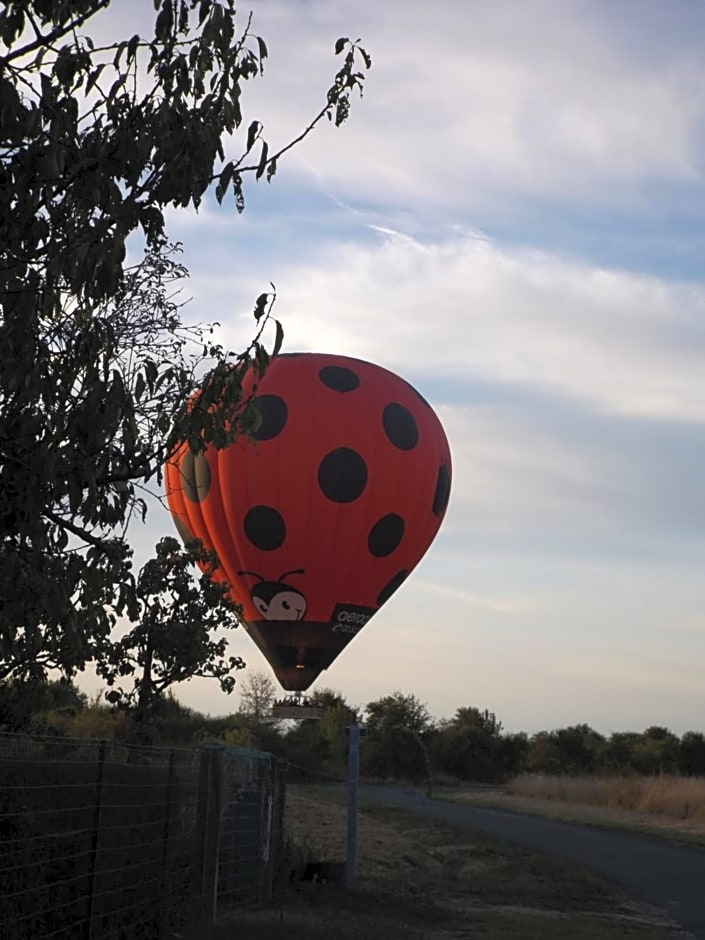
x=513, y=218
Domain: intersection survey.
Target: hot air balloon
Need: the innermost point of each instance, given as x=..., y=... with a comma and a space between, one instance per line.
x=321, y=517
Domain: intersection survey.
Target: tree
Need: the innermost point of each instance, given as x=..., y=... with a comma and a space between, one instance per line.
x=543, y=754
x=691, y=759
x=397, y=711
x=573, y=750
x=618, y=751
x=257, y=695
x=320, y=745
x=23, y=703
x=470, y=720
x=395, y=747
x=579, y=748
x=96, y=366
x=471, y=746
x=657, y=751
x=172, y=639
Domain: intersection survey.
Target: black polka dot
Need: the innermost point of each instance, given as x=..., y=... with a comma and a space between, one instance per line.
x=442, y=494
x=385, y=535
x=391, y=586
x=196, y=476
x=265, y=528
x=274, y=413
x=342, y=475
x=183, y=530
x=339, y=378
x=400, y=426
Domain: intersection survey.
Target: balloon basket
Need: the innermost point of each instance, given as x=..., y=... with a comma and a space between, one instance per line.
x=293, y=709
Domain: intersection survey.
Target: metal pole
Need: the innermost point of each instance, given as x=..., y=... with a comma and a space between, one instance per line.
x=353, y=778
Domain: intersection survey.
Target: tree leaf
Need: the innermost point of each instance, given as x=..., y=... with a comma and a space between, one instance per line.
x=252, y=132
x=262, y=160
x=98, y=361
x=278, y=339
x=261, y=306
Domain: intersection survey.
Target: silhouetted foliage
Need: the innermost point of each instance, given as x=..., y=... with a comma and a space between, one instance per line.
x=173, y=637
x=25, y=703
x=97, y=141
x=396, y=746
x=402, y=741
x=471, y=746
x=691, y=755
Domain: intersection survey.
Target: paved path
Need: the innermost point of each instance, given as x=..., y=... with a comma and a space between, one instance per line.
x=668, y=876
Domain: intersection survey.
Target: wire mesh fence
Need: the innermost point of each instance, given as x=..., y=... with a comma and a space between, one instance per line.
x=101, y=840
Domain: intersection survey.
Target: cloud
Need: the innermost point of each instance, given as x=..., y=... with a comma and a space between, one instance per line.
x=469, y=106
x=467, y=102
x=617, y=342
x=572, y=396
x=571, y=389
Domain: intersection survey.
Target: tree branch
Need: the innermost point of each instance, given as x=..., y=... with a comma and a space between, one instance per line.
x=76, y=530
x=57, y=33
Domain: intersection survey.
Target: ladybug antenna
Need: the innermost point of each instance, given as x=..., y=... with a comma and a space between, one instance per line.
x=293, y=571
x=253, y=573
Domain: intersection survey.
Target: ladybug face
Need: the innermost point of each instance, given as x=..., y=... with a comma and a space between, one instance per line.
x=347, y=479
x=286, y=604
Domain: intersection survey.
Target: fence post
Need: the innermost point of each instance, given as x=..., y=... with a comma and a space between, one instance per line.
x=201, y=815
x=163, y=894
x=276, y=824
x=266, y=830
x=353, y=779
x=208, y=832
x=93, y=858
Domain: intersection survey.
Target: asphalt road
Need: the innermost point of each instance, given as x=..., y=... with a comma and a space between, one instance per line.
x=668, y=876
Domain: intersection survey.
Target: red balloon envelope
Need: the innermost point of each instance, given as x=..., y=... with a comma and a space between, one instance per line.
x=320, y=518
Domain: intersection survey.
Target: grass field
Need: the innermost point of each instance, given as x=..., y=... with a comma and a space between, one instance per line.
x=422, y=880
x=672, y=807
x=681, y=798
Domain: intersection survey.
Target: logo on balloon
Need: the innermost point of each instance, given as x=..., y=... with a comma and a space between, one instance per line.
x=350, y=618
x=276, y=600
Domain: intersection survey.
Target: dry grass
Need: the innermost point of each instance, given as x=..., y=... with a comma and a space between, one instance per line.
x=382, y=848
x=670, y=807
x=681, y=798
x=419, y=879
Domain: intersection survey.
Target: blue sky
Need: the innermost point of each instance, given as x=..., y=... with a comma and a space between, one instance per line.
x=514, y=220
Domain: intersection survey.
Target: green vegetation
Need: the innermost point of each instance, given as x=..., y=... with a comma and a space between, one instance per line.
x=403, y=742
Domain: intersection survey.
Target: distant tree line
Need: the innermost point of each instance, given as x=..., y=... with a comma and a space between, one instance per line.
x=402, y=739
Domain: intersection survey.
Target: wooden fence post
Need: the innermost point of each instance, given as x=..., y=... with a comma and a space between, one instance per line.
x=163, y=887
x=208, y=832
x=93, y=858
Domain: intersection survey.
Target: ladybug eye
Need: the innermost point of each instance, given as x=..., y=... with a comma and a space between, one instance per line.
x=286, y=605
